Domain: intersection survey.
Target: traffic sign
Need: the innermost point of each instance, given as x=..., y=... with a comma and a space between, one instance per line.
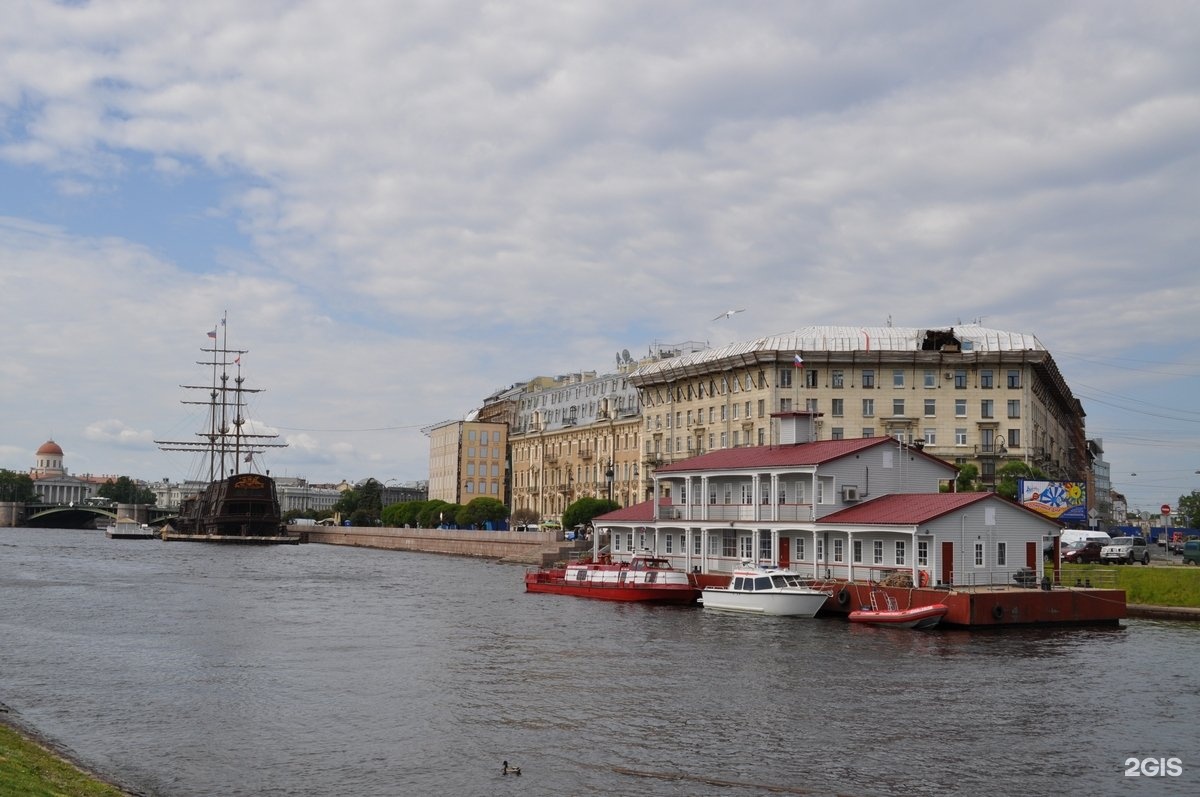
x=1166, y=509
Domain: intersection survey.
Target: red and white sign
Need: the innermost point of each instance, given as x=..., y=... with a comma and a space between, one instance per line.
x=1166, y=510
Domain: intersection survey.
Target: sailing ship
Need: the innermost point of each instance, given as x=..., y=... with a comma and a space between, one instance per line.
x=237, y=504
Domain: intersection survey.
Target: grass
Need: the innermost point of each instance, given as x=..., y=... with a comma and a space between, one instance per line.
x=1155, y=586
x=27, y=769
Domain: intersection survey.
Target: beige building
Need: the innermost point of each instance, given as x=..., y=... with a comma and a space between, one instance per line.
x=966, y=394
x=467, y=460
x=579, y=435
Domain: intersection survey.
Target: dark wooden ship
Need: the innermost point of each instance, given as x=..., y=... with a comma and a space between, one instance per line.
x=237, y=504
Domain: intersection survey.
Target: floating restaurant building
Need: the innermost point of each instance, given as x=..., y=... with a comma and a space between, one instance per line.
x=858, y=515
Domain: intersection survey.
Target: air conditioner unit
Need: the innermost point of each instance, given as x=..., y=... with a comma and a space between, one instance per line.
x=850, y=493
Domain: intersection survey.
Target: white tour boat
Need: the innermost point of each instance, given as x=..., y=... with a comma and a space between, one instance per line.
x=765, y=590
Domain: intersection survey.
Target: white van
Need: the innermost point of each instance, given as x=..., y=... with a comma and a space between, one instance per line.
x=1083, y=535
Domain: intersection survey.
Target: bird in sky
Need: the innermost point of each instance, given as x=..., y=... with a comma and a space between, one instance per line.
x=729, y=314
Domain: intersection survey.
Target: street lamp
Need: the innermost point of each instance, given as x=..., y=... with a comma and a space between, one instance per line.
x=608, y=476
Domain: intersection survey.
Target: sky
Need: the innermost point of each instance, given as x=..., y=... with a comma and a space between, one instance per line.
x=403, y=208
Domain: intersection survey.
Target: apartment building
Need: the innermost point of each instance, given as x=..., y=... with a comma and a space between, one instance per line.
x=579, y=435
x=966, y=394
x=467, y=459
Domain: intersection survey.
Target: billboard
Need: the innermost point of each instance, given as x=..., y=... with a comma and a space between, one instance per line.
x=1063, y=501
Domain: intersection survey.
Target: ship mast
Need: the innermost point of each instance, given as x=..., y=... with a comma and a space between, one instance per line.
x=224, y=442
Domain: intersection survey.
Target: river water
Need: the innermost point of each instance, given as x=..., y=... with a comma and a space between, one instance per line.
x=188, y=670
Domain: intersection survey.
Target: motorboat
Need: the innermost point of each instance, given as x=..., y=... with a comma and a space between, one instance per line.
x=129, y=529
x=756, y=589
x=645, y=577
x=885, y=611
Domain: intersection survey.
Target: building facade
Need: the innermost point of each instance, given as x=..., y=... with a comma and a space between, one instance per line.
x=968, y=395
x=468, y=460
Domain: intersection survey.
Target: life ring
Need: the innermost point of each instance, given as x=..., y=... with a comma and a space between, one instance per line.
x=923, y=578
x=843, y=596
x=998, y=612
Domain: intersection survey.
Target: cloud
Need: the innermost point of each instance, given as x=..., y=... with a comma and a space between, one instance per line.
x=402, y=213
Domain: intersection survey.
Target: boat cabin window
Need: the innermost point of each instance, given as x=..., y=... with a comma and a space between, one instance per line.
x=779, y=581
x=581, y=575
x=737, y=583
x=762, y=582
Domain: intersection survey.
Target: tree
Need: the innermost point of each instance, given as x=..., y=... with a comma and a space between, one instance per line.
x=16, y=487
x=965, y=481
x=436, y=512
x=525, y=516
x=584, y=510
x=1188, y=510
x=362, y=503
x=480, y=511
x=126, y=491
x=1012, y=472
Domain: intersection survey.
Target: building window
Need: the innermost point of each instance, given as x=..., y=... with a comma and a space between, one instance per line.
x=668, y=543
x=820, y=550
x=838, y=405
x=868, y=408
x=897, y=377
x=837, y=433
x=1014, y=379
x=1014, y=438
x=930, y=436
x=785, y=377
x=838, y=554
x=857, y=551
x=800, y=548
x=960, y=436
x=898, y=407
x=764, y=548
x=761, y=436
x=930, y=378
x=728, y=494
x=868, y=378
x=838, y=378
x=979, y=554
x=868, y=431
x=960, y=379
x=810, y=378
x=1001, y=554
x=985, y=379
x=960, y=408
x=878, y=552
x=985, y=408
x=922, y=553
x=901, y=552
x=724, y=440
x=729, y=544
x=930, y=408
x=696, y=549
x=762, y=407
x=1014, y=408
x=745, y=547
x=810, y=404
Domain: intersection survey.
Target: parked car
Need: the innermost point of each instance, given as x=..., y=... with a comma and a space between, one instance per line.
x=1191, y=552
x=1083, y=553
x=1123, y=550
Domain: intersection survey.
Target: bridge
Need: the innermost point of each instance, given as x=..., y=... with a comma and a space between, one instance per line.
x=80, y=516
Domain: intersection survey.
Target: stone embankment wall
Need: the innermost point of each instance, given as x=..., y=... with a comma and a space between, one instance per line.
x=525, y=547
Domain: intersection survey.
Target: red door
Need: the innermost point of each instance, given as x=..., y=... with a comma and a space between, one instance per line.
x=785, y=552
x=1031, y=555
x=947, y=562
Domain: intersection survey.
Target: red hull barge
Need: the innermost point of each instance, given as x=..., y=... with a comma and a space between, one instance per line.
x=986, y=607
x=644, y=578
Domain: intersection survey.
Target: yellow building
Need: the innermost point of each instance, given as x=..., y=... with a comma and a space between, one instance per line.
x=467, y=459
x=966, y=394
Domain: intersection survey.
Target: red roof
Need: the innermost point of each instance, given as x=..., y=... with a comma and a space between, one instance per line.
x=635, y=512
x=815, y=453
x=50, y=448
x=913, y=509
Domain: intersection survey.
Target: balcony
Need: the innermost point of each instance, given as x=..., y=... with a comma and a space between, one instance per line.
x=586, y=456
